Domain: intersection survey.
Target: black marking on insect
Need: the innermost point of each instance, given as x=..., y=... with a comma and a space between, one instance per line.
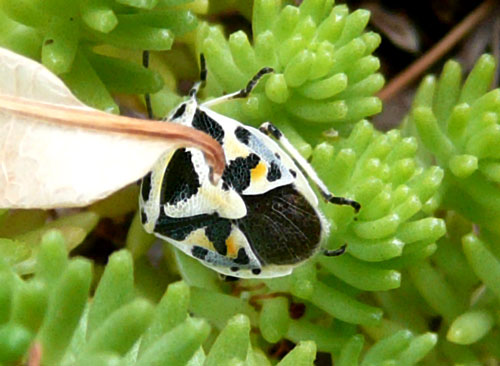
x=178, y=228
x=238, y=173
x=206, y=124
x=146, y=186
x=242, y=134
x=256, y=271
x=274, y=172
x=293, y=173
x=180, y=181
x=275, y=132
x=217, y=233
x=179, y=112
x=242, y=257
x=199, y=252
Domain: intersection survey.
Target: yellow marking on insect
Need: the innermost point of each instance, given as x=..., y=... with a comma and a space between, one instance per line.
x=235, y=149
x=259, y=171
x=228, y=203
x=201, y=240
x=232, y=249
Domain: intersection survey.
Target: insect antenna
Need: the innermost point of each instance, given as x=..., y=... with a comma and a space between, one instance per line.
x=203, y=77
x=147, y=97
x=203, y=69
x=243, y=93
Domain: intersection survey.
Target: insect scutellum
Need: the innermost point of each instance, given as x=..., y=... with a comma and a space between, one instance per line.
x=261, y=219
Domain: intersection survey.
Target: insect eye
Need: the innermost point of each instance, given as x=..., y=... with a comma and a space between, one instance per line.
x=179, y=112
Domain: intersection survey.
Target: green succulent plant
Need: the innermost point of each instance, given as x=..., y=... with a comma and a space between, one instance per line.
x=51, y=313
x=418, y=283
x=324, y=71
x=94, y=46
x=459, y=126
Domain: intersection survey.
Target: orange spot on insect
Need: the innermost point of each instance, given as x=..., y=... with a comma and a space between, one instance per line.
x=259, y=171
x=231, y=247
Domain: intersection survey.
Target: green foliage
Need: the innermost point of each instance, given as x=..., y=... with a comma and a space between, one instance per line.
x=459, y=125
x=64, y=36
x=401, y=348
x=404, y=293
x=114, y=330
x=396, y=193
x=324, y=67
x=457, y=288
x=72, y=331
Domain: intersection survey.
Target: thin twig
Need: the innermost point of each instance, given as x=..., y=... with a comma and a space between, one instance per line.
x=435, y=53
x=91, y=119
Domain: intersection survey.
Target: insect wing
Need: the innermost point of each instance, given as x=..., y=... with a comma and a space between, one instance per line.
x=281, y=226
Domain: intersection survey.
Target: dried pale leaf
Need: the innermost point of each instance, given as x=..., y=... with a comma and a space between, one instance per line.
x=396, y=26
x=57, y=152
x=478, y=42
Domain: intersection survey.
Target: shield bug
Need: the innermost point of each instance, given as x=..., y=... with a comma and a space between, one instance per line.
x=261, y=219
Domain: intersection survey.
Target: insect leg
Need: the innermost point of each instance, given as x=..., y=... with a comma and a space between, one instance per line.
x=147, y=97
x=243, y=93
x=271, y=130
x=335, y=252
x=227, y=278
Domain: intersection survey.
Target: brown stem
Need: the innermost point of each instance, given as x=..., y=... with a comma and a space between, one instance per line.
x=35, y=354
x=435, y=53
x=96, y=120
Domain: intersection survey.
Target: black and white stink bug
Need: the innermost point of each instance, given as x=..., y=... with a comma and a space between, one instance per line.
x=261, y=219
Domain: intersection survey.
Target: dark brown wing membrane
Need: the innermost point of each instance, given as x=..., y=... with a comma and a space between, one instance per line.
x=281, y=226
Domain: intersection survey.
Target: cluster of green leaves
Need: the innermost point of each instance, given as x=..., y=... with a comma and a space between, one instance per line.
x=64, y=35
x=458, y=126
x=324, y=70
x=444, y=298
x=50, y=316
x=51, y=311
